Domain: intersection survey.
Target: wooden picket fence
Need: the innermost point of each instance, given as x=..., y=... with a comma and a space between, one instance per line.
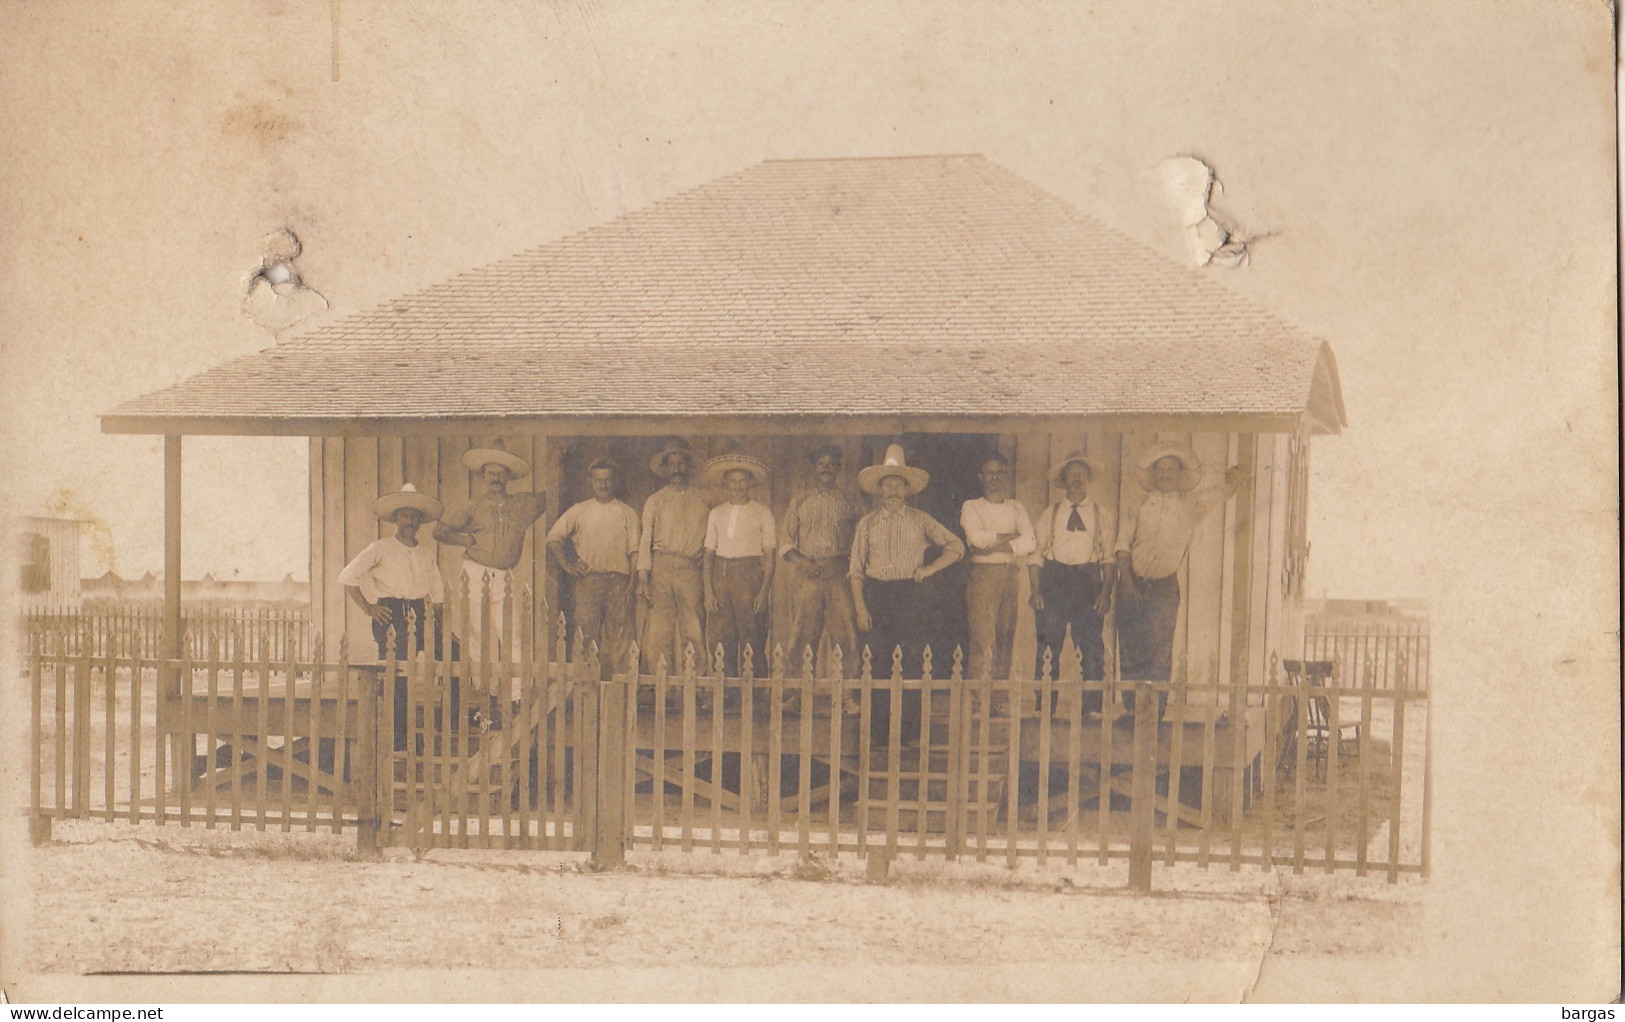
x=279, y=633
x=1386, y=648
x=546, y=752
x=212, y=740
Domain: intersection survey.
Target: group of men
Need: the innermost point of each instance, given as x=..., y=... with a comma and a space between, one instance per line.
x=859, y=575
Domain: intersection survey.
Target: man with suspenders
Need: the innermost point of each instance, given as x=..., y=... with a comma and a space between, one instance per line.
x=1071, y=574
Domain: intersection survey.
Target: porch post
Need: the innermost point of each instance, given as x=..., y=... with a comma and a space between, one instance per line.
x=180, y=747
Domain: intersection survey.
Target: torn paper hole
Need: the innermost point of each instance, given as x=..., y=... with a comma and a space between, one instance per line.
x=1212, y=236
x=276, y=298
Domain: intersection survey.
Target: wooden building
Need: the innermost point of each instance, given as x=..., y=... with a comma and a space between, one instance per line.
x=940, y=301
x=47, y=561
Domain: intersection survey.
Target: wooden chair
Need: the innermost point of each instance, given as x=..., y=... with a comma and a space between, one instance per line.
x=1310, y=676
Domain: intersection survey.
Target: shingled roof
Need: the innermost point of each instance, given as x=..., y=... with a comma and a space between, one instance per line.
x=931, y=286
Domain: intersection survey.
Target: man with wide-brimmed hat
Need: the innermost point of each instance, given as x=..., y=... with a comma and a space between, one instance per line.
x=492, y=531
x=674, y=521
x=595, y=542
x=817, y=543
x=1152, y=544
x=887, y=572
x=1071, y=573
x=395, y=580
x=740, y=544
x=1000, y=536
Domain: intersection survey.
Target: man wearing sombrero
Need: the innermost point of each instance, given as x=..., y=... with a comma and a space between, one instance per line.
x=1072, y=573
x=1151, y=546
x=674, y=520
x=740, y=544
x=492, y=529
x=394, y=579
x=888, y=569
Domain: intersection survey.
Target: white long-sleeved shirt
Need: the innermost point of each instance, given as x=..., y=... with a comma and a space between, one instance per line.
x=984, y=520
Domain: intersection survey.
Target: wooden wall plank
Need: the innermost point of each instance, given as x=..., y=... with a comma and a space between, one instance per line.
x=1204, y=576
x=1262, y=584
x=360, y=528
x=1033, y=453
x=1241, y=603
x=391, y=473
x=1274, y=595
x=334, y=553
x=320, y=581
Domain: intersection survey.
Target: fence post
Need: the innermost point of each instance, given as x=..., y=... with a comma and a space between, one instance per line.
x=609, y=774
x=1141, y=812
x=369, y=786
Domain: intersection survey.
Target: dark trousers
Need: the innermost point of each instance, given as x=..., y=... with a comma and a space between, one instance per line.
x=735, y=581
x=413, y=630
x=1070, y=592
x=1145, y=633
x=900, y=614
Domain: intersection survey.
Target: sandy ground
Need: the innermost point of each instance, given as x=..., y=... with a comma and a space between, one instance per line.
x=142, y=899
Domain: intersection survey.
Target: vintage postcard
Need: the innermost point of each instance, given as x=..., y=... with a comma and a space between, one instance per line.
x=810, y=502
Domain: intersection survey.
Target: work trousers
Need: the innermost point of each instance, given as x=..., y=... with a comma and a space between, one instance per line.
x=675, y=598
x=899, y=612
x=1070, y=592
x=487, y=584
x=991, y=595
x=1145, y=633
x=820, y=606
x=603, y=606
x=413, y=630
x=735, y=581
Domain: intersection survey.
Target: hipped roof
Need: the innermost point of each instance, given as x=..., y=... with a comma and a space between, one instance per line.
x=932, y=287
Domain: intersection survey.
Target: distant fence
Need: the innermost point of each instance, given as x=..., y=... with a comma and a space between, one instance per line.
x=1290, y=770
x=1385, y=648
x=280, y=633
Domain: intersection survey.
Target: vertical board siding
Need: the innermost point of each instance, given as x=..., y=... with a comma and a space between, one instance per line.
x=1204, y=582
x=360, y=528
x=334, y=551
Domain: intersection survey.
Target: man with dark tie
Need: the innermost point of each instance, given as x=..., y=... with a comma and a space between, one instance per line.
x=1072, y=573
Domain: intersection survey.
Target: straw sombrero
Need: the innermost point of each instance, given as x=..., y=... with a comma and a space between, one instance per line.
x=722, y=464
x=386, y=506
x=1075, y=458
x=676, y=445
x=475, y=459
x=893, y=465
x=1191, y=469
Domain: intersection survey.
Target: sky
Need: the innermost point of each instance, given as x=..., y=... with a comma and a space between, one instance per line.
x=1413, y=200
x=1436, y=180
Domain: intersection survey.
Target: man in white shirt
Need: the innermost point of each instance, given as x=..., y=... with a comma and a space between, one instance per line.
x=740, y=547
x=1154, y=540
x=596, y=543
x=394, y=580
x=1072, y=572
x=1000, y=537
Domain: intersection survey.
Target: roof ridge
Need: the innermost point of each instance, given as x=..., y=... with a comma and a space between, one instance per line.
x=858, y=159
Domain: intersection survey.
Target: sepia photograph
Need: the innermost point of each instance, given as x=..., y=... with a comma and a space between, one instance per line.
x=594, y=501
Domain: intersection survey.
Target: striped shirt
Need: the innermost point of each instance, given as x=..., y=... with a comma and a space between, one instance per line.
x=673, y=523
x=820, y=523
x=889, y=545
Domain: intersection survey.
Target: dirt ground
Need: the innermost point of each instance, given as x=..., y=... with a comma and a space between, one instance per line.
x=118, y=899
